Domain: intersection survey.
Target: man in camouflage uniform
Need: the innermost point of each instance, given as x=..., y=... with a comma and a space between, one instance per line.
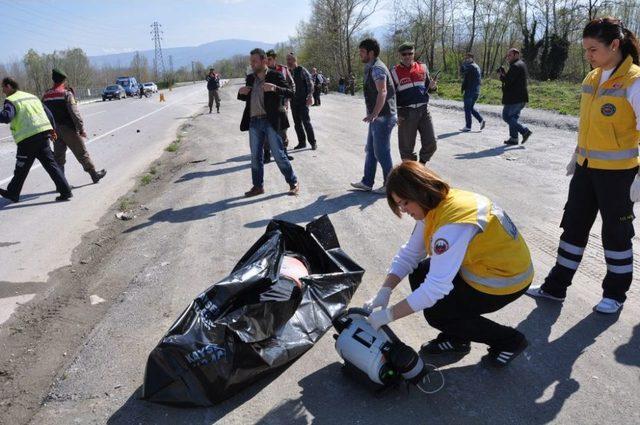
x=70, y=128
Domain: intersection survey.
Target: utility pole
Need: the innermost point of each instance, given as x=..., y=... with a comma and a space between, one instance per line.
x=170, y=69
x=158, y=62
x=193, y=72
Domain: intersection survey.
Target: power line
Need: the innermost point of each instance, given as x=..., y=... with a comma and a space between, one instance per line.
x=158, y=61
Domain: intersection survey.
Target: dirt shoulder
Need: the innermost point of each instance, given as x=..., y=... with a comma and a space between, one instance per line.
x=43, y=337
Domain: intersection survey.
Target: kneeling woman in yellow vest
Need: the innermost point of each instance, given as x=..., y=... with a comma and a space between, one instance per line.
x=465, y=258
x=604, y=165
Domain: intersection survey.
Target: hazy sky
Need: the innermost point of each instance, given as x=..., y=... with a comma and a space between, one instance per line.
x=115, y=26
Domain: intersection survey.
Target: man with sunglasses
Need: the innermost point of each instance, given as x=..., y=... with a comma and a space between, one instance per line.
x=413, y=84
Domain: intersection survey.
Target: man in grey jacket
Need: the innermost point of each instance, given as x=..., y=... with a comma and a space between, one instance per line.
x=380, y=100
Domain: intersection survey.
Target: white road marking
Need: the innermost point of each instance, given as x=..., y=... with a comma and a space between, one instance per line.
x=35, y=167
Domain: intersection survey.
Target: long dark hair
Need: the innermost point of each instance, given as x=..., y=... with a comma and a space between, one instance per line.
x=608, y=29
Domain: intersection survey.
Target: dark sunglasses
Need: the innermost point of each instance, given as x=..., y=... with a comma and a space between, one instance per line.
x=407, y=53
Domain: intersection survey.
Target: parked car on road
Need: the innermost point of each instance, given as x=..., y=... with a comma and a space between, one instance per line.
x=151, y=86
x=130, y=84
x=114, y=91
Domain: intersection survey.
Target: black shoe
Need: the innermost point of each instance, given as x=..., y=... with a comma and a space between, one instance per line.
x=64, y=197
x=442, y=344
x=5, y=194
x=267, y=159
x=97, y=175
x=502, y=357
x=314, y=146
x=511, y=141
x=289, y=157
x=300, y=146
x=209, y=110
x=217, y=109
x=526, y=135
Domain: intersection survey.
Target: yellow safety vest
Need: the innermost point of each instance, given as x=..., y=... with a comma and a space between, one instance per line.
x=497, y=261
x=607, y=135
x=30, y=118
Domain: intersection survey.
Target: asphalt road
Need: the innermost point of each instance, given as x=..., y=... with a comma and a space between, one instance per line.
x=37, y=234
x=580, y=367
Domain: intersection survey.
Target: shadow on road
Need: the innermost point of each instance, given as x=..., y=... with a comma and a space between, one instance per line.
x=199, y=212
x=135, y=410
x=629, y=353
x=498, y=150
x=240, y=158
x=8, y=205
x=531, y=390
x=447, y=135
x=323, y=205
x=212, y=173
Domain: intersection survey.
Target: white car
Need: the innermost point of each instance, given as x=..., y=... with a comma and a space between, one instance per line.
x=150, y=87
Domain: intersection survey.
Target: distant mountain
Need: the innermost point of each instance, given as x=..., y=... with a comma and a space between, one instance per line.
x=182, y=56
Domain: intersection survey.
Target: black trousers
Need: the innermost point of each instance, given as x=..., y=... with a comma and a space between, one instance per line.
x=592, y=191
x=36, y=147
x=459, y=314
x=316, y=96
x=302, y=123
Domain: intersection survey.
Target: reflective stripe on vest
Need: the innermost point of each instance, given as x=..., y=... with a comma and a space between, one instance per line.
x=609, y=155
x=613, y=92
x=497, y=282
x=587, y=89
x=30, y=118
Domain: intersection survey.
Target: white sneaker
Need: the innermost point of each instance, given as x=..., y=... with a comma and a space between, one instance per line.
x=361, y=186
x=382, y=190
x=537, y=292
x=465, y=129
x=608, y=306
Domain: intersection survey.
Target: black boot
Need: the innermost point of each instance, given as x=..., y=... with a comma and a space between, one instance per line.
x=97, y=175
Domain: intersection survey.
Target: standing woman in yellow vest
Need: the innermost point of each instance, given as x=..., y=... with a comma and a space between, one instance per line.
x=604, y=165
x=31, y=126
x=465, y=258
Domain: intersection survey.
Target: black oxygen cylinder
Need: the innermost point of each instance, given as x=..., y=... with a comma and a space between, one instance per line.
x=407, y=362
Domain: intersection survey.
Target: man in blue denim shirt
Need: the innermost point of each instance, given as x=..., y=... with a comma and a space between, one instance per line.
x=380, y=99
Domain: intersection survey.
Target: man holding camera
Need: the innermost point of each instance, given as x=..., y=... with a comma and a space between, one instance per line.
x=514, y=96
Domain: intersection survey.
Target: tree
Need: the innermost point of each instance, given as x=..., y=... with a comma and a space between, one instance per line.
x=140, y=67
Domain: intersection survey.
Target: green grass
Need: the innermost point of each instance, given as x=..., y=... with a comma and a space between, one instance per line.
x=146, y=179
x=560, y=96
x=173, y=146
x=126, y=204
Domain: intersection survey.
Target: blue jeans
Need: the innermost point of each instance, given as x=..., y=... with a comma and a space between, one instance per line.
x=261, y=131
x=510, y=115
x=469, y=101
x=378, y=148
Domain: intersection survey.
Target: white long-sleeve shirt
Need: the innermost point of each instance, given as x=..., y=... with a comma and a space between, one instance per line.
x=448, y=246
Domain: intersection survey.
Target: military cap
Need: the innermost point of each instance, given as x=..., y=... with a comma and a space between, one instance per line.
x=406, y=46
x=58, y=76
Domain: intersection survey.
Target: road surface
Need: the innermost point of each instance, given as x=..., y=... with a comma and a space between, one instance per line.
x=87, y=361
x=37, y=235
